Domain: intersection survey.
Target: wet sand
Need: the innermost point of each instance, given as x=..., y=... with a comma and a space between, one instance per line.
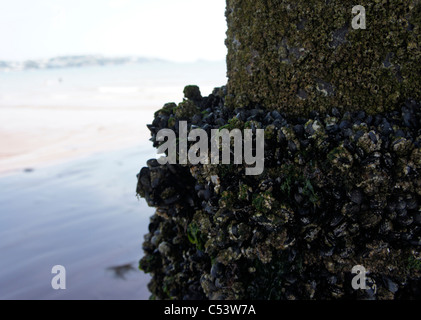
x=68, y=180
x=81, y=214
x=38, y=137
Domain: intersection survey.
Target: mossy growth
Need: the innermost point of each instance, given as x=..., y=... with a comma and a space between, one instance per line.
x=168, y=192
x=233, y=123
x=195, y=237
x=167, y=285
x=341, y=159
x=243, y=193
x=270, y=132
x=271, y=277
x=167, y=109
x=264, y=202
x=288, y=176
x=225, y=170
x=298, y=56
x=149, y=263
x=414, y=264
x=186, y=109
x=227, y=200
x=308, y=191
x=171, y=121
x=192, y=92
x=293, y=179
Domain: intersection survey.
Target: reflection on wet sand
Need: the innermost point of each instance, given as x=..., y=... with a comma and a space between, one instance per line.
x=120, y=272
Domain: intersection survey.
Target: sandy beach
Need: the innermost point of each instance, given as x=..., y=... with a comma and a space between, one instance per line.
x=34, y=137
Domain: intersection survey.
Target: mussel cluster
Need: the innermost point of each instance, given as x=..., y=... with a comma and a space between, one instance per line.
x=338, y=190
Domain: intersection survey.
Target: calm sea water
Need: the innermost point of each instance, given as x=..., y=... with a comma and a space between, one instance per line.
x=84, y=214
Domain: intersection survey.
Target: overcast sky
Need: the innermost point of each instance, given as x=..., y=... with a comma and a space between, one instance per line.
x=180, y=30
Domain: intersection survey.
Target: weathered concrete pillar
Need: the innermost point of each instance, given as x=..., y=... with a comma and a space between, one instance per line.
x=301, y=55
x=340, y=192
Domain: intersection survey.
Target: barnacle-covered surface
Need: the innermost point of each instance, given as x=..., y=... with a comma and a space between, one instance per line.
x=295, y=56
x=339, y=189
x=342, y=180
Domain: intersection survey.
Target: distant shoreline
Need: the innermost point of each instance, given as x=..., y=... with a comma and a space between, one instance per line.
x=74, y=61
x=70, y=61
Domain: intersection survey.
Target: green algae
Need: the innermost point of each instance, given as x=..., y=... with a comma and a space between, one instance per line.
x=299, y=56
x=195, y=237
x=414, y=264
x=192, y=92
x=186, y=110
x=263, y=202
x=167, y=109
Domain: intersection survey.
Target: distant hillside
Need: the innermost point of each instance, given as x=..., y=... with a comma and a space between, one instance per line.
x=69, y=61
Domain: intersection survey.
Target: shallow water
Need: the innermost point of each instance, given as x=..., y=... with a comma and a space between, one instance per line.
x=83, y=215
